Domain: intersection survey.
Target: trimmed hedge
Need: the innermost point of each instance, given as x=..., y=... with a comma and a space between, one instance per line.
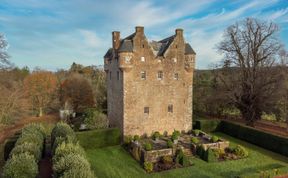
x=8, y=146
x=263, y=139
x=21, y=165
x=207, y=125
x=99, y=138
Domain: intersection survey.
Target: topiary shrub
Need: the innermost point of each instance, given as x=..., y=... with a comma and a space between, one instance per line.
x=214, y=139
x=169, y=144
x=148, y=146
x=71, y=162
x=196, y=132
x=71, y=173
x=148, y=166
x=62, y=130
x=59, y=140
x=136, y=138
x=21, y=165
x=211, y=155
x=175, y=135
x=95, y=119
x=34, y=128
x=167, y=160
x=68, y=148
x=181, y=158
x=240, y=151
x=128, y=140
x=26, y=147
x=156, y=135
x=195, y=140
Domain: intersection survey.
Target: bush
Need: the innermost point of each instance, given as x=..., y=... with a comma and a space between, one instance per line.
x=136, y=137
x=196, y=132
x=214, y=139
x=175, y=135
x=59, y=140
x=211, y=155
x=195, y=140
x=95, y=119
x=169, y=144
x=147, y=146
x=68, y=148
x=70, y=162
x=26, y=147
x=34, y=129
x=71, y=173
x=128, y=139
x=21, y=165
x=156, y=135
x=62, y=130
x=148, y=166
x=167, y=160
x=240, y=151
x=8, y=147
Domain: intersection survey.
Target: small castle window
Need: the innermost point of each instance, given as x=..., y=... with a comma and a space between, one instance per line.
x=143, y=45
x=110, y=75
x=160, y=75
x=143, y=75
x=175, y=60
x=118, y=75
x=176, y=76
x=170, y=108
x=176, y=46
x=146, y=110
x=142, y=59
x=117, y=59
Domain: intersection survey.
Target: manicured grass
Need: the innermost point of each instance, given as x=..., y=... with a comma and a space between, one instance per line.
x=99, y=138
x=114, y=161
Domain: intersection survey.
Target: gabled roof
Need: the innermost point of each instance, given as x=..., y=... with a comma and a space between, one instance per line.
x=189, y=49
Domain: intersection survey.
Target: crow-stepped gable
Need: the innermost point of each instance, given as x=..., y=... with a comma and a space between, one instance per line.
x=149, y=84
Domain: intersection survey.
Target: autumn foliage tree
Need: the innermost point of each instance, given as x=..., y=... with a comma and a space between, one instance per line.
x=78, y=92
x=40, y=87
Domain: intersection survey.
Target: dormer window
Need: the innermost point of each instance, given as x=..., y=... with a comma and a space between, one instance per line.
x=176, y=76
x=143, y=75
x=142, y=59
x=160, y=75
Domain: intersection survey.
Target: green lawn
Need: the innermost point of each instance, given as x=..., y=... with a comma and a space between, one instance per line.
x=114, y=161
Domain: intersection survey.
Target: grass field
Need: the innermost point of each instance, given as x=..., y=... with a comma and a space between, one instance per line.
x=114, y=161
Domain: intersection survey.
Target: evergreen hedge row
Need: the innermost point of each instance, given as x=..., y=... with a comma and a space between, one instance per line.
x=69, y=159
x=263, y=139
x=26, y=154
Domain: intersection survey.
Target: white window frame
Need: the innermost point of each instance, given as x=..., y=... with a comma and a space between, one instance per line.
x=143, y=75
x=160, y=75
x=142, y=59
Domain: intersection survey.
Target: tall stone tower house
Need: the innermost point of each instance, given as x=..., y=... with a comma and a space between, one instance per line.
x=149, y=83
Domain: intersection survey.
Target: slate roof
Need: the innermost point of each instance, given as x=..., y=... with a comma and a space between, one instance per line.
x=109, y=53
x=189, y=49
x=126, y=46
x=159, y=47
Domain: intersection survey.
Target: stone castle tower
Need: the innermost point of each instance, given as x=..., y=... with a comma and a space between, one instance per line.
x=149, y=83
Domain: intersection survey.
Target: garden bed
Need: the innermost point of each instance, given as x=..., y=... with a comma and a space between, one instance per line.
x=151, y=152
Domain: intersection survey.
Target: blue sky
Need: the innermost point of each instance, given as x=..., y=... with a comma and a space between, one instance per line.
x=51, y=34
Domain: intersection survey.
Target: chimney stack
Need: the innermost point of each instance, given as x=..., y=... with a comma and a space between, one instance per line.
x=116, y=39
x=179, y=32
x=139, y=29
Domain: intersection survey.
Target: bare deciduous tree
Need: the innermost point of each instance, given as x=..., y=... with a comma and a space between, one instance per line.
x=3, y=54
x=250, y=49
